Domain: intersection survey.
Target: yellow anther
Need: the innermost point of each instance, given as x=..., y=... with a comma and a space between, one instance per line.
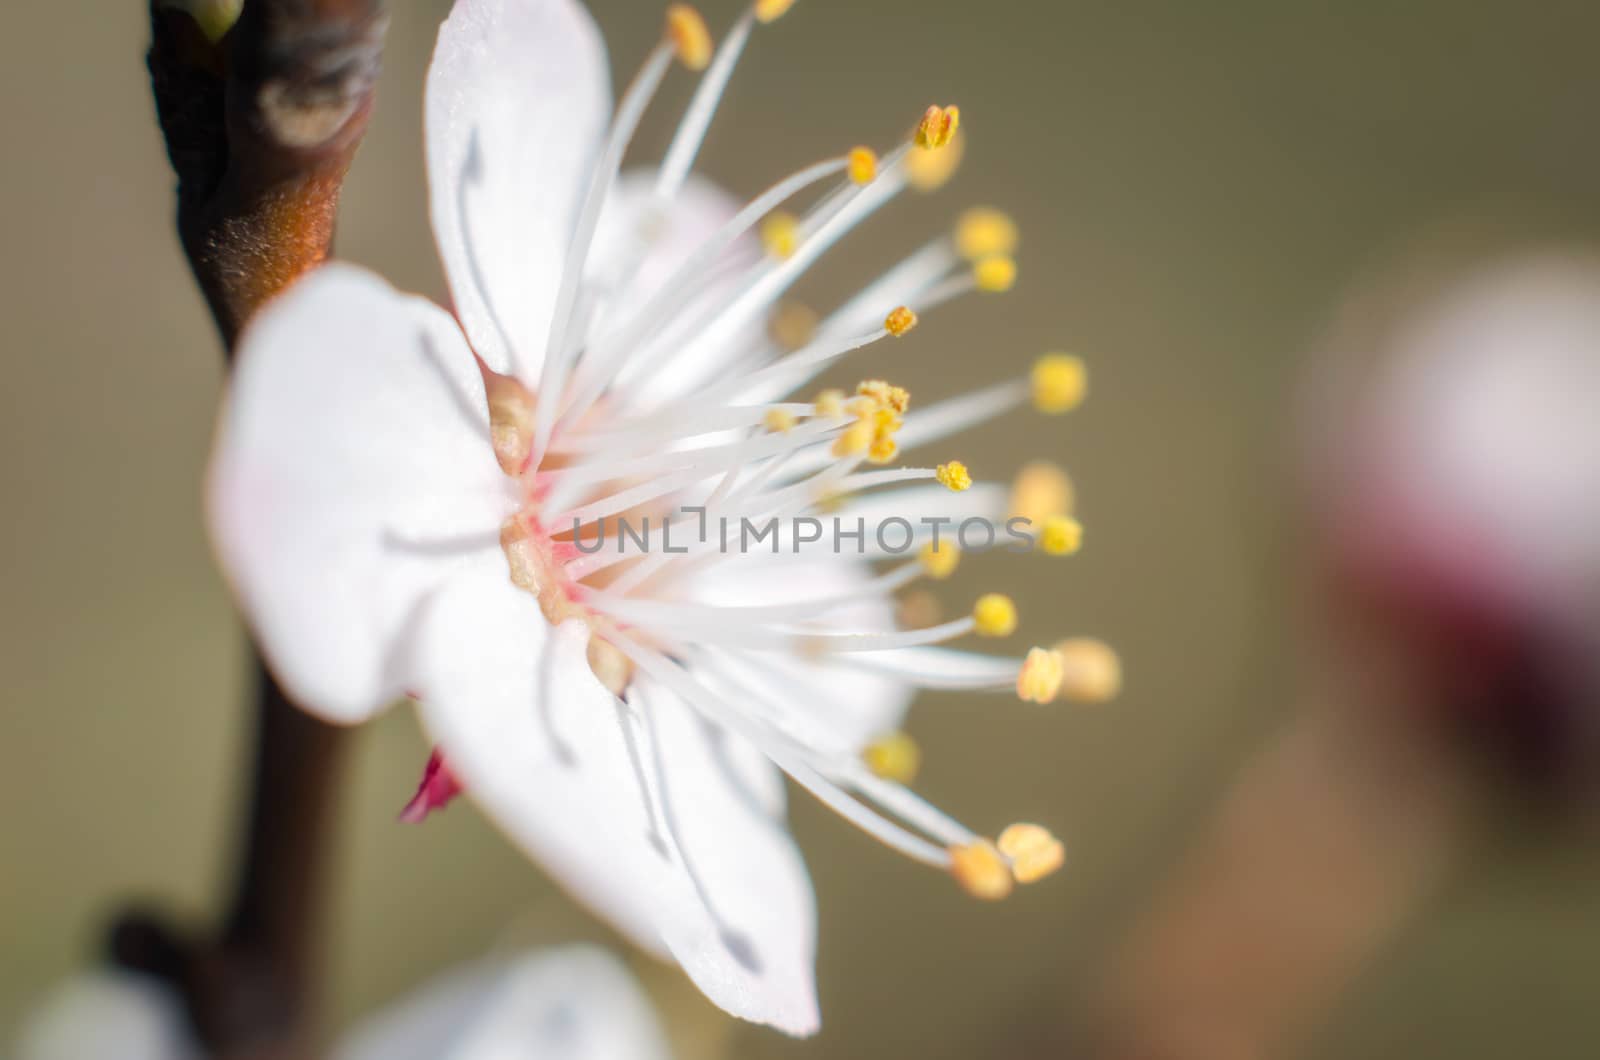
x=1033, y=851
x=1091, y=671
x=854, y=440
x=875, y=390
x=899, y=321
x=1040, y=490
x=792, y=326
x=779, y=421
x=885, y=396
x=995, y=274
x=882, y=450
x=937, y=127
x=1060, y=382
x=689, y=36
x=1040, y=677
x=994, y=615
x=830, y=403
x=893, y=756
x=939, y=563
x=780, y=234
x=983, y=232
x=981, y=870
x=772, y=10
x=931, y=170
x=863, y=166
x=918, y=610
x=1061, y=535
x=953, y=476
x=614, y=669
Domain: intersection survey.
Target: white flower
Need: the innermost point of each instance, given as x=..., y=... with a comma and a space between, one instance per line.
x=396, y=516
x=577, y=1003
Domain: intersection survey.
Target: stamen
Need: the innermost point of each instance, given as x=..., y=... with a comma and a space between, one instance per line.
x=780, y=234
x=937, y=127
x=957, y=414
x=1040, y=677
x=919, y=608
x=854, y=441
x=1061, y=535
x=777, y=749
x=894, y=757
x=1060, y=381
x=601, y=363
x=863, y=165
x=996, y=274
x=772, y=10
x=780, y=421
x=882, y=394
x=675, y=165
x=939, y=563
x=903, y=282
x=984, y=232
x=1034, y=853
x=1091, y=671
x=830, y=403
x=994, y=615
x=928, y=171
x=558, y=354
x=857, y=204
x=793, y=325
x=1040, y=490
x=690, y=39
x=981, y=870
x=899, y=321
x=953, y=476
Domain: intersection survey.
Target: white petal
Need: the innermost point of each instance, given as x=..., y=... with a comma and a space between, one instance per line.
x=572, y=775
x=518, y=97
x=698, y=211
x=577, y=1003
x=107, y=1013
x=352, y=472
x=548, y=752
x=754, y=950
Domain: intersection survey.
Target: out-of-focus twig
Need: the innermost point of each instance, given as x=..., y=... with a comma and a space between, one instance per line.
x=261, y=123
x=261, y=127
x=1325, y=844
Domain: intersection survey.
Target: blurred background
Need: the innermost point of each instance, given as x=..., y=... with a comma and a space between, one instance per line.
x=1200, y=187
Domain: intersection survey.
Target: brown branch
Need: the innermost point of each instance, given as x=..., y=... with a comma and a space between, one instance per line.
x=261, y=127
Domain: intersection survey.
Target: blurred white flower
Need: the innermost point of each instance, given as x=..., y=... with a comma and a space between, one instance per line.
x=577, y=1003
x=395, y=494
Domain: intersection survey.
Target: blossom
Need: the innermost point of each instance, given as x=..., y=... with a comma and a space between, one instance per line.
x=576, y=1003
x=1456, y=473
x=405, y=500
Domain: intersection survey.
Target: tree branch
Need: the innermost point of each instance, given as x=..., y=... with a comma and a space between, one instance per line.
x=261, y=125
x=261, y=128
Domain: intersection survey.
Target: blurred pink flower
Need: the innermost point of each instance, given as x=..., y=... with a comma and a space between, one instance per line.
x=1465, y=503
